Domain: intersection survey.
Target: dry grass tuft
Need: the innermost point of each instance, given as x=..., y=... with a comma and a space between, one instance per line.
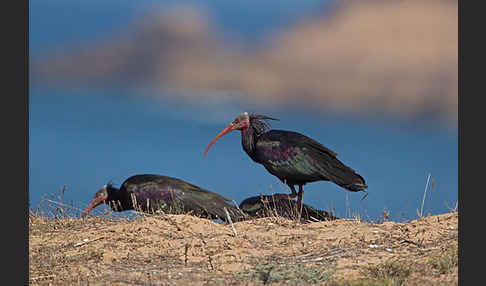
x=287, y=272
x=393, y=272
x=446, y=261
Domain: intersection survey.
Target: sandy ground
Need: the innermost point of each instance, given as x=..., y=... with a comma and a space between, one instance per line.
x=187, y=250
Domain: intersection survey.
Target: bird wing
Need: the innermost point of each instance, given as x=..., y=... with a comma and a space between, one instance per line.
x=174, y=195
x=297, y=158
x=289, y=155
x=296, y=139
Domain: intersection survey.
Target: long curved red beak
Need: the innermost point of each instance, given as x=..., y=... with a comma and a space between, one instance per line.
x=226, y=130
x=94, y=203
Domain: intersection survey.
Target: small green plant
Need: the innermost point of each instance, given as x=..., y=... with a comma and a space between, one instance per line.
x=445, y=261
x=270, y=273
x=364, y=282
x=393, y=272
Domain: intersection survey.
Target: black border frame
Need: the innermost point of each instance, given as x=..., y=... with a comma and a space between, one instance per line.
x=15, y=115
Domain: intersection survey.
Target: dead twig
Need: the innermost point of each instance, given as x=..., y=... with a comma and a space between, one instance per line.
x=425, y=193
x=172, y=222
x=85, y=241
x=412, y=242
x=42, y=277
x=210, y=260
x=230, y=221
x=63, y=205
x=319, y=257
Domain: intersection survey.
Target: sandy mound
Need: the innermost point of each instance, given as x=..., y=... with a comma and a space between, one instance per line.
x=181, y=249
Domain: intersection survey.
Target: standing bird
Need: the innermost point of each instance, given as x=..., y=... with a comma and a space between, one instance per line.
x=152, y=193
x=292, y=157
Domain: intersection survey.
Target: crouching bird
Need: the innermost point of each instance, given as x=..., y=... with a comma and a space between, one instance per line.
x=267, y=206
x=292, y=157
x=156, y=193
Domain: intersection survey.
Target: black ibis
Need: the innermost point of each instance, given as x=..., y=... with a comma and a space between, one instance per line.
x=292, y=157
x=265, y=206
x=152, y=193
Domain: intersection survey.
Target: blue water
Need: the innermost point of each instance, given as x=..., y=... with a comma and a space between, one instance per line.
x=86, y=138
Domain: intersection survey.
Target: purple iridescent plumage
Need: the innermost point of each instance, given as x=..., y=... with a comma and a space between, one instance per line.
x=156, y=193
x=165, y=195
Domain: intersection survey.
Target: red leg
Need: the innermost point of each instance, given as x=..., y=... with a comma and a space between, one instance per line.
x=299, y=201
x=285, y=196
x=294, y=192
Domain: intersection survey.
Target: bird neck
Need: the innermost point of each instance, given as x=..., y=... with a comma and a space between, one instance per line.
x=120, y=200
x=248, y=141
